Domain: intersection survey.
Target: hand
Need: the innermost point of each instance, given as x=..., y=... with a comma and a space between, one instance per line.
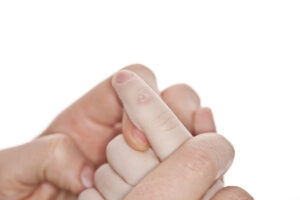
x=196, y=165
x=95, y=119
x=37, y=170
x=91, y=122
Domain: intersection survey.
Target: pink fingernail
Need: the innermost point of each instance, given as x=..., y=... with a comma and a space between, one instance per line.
x=87, y=176
x=123, y=76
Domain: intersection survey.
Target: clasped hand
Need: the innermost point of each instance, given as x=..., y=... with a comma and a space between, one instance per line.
x=168, y=149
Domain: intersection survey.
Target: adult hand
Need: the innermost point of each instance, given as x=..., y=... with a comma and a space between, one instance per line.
x=197, y=162
x=195, y=166
x=37, y=170
x=53, y=165
x=95, y=119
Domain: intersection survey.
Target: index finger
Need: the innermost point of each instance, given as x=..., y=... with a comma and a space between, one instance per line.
x=150, y=114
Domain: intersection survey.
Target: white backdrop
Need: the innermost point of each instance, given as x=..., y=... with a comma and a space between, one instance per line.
x=242, y=57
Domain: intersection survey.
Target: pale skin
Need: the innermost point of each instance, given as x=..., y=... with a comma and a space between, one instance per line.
x=77, y=139
x=122, y=177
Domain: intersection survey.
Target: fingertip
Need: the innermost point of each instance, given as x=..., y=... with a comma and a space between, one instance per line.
x=122, y=76
x=204, y=121
x=121, y=82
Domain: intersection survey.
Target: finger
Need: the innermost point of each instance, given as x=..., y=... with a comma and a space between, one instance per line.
x=54, y=159
x=130, y=164
x=133, y=136
x=183, y=101
x=110, y=184
x=90, y=120
x=90, y=194
x=189, y=172
x=150, y=114
x=204, y=121
x=232, y=193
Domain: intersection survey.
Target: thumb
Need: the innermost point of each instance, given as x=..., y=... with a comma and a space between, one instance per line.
x=54, y=159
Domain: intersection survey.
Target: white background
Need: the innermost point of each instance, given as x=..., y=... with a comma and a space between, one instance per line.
x=242, y=57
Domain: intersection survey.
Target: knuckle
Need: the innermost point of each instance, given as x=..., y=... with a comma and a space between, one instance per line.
x=209, y=155
x=61, y=142
x=59, y=146
x=101, y=172
x=166, y=121
x=57, y=150
x=113, y=146
x=198, y=161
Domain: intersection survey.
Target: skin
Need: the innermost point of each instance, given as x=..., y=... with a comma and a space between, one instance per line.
x=35, y=170
x=93, y=120
x=88, y=124
x=204, y=158
x=78, y=136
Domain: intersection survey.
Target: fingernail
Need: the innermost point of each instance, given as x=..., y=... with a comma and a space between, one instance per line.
x=87, y=176
x=123, y=76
